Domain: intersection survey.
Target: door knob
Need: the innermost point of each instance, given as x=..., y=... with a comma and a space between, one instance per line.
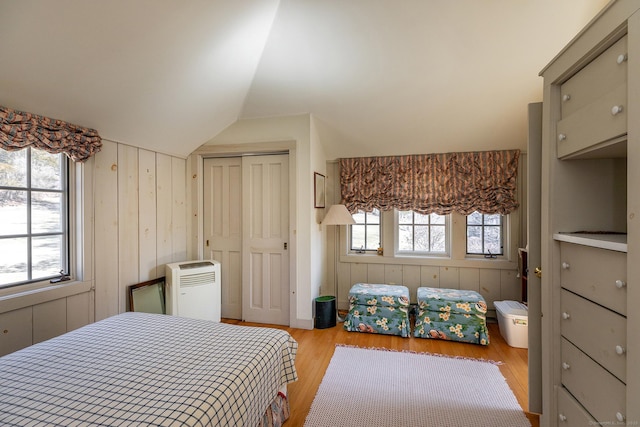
x=538, y=272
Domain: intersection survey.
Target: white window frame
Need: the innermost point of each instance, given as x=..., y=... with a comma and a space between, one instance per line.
x=80, y=220
x=457, y=256
x=430, y=254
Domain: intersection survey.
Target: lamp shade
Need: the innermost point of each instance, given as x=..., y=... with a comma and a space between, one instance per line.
x=338, y=215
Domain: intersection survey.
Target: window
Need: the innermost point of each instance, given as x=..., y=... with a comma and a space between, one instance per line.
x=34, y=240
x=365, y=233
x=484, y=234
x=425, y=234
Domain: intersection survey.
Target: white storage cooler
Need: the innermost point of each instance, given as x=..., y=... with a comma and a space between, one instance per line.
x=513, y=321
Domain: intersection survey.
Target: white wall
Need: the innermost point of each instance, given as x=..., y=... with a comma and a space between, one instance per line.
x=318, y=250
x=130, y=220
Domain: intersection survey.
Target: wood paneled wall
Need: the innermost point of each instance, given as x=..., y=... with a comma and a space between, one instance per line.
x=135, y=209
x=35, y=323
x=141, y=221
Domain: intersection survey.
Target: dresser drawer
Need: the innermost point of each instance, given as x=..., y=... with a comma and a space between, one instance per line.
x=602, y=120
x=571, y=413
x=599, y=332
x=601, y=394
x=599, y=275
x=601, y=76
x=593, y=103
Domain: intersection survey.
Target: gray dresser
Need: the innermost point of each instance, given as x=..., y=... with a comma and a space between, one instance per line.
x=591, y=225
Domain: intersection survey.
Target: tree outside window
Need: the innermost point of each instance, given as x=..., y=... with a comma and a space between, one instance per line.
x=420, y=233
x=365, y=233
x=33, y=216
x=484, y=234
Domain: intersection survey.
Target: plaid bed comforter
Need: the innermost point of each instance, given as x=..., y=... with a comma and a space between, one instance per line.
x=147, y=370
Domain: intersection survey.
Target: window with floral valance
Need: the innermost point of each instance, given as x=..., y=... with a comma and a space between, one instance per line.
x=19, y=130
x=483, y=181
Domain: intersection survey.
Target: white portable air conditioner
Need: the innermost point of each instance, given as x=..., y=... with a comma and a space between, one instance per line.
x=193, y=289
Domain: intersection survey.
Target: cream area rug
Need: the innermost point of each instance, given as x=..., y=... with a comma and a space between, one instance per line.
x=368, y=387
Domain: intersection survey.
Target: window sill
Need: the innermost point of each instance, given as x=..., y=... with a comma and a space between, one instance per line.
x=38, y=293
x=443, y=261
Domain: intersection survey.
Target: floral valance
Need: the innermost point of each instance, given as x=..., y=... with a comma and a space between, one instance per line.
x=483, y=181
x=19, y=130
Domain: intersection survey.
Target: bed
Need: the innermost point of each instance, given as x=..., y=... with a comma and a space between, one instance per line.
x=149, y=370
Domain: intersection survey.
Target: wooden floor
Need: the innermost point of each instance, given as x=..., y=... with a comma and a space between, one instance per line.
x=315, y=349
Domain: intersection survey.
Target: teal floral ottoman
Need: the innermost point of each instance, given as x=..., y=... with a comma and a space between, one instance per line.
x=378, y=309
x=452, y=314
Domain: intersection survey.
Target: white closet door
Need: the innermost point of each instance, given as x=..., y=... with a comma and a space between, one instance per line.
x=223, y=228
x=265, y=183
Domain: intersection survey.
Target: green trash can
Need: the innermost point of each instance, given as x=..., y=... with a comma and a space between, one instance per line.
x=325, y=312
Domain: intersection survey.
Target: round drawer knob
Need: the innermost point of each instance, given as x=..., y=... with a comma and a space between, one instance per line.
x=566, y=315
x=616, y=109
x=562, y=137
x=566, y=266
x=562, y=418
x=566, y=97
x=565, y=366
x=621, y=58
x=620, y=284
x=620, y=350
x=619, y=417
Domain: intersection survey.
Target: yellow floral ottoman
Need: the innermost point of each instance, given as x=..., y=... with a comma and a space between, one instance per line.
x=452, y=314
x=378, y=309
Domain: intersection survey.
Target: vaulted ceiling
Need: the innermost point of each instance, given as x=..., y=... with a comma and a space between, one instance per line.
x=384, y=76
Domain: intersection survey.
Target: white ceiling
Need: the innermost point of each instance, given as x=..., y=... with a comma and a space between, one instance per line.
x=384, y=76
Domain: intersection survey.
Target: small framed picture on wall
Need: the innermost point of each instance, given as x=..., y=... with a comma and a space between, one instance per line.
x=318, y=190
